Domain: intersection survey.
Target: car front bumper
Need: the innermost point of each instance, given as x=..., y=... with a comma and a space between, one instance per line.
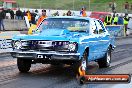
x=49, y=55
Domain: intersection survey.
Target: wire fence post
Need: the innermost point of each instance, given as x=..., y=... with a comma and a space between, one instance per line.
x=89, y=6
x=73, y=4
x=40, y=4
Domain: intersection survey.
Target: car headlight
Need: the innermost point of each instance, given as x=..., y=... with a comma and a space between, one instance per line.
x=17, y=45
x=24, y=43
x=72, y=46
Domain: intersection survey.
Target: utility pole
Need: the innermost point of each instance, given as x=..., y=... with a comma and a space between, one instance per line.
x=23, y=4
x=73, y=4
x=40, y=4
x=89, y=5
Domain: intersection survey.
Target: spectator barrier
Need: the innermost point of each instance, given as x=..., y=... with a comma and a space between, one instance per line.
x=5, y=43
x=116, y=30
x=15, y=25
x=5, y=39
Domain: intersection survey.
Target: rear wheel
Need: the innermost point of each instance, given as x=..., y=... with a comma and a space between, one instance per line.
x=106, y=60
x=23, y=65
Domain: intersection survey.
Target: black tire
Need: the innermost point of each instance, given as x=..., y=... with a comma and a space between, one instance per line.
x=23, y=65
x=106, y=60
x=57, y=65
x=81, y=80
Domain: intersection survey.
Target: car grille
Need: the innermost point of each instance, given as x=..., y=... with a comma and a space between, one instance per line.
x=46, y=46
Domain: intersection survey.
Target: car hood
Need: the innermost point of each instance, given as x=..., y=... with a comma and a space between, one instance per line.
x=54, y=35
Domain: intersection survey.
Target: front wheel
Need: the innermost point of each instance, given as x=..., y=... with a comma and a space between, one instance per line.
x=82, y=63
x=106, y=60
x=23, y=65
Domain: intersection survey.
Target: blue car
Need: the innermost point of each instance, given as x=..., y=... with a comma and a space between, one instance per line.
x=64, y=40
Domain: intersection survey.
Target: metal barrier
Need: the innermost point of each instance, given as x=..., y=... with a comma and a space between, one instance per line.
x=5, y=39
x=13, y=25
x=116, y=30
x=5, y=43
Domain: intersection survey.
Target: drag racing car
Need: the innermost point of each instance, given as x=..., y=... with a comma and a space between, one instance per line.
x=64, y=40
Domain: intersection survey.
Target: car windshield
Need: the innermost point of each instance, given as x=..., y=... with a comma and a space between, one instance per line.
x=75, y=25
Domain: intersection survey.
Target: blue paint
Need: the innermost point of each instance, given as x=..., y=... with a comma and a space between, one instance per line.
x=97, y=43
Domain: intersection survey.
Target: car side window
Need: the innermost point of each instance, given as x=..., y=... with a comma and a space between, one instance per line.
x=94, y=27
x=102, y=25
x=99, y=27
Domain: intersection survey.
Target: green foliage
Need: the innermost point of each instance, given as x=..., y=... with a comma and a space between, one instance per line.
x=95, y=5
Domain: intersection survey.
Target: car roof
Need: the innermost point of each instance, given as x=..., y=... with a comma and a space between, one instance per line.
x=71, y=17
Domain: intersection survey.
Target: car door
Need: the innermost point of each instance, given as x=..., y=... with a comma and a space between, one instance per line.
x=103, y=37
x=93, y=41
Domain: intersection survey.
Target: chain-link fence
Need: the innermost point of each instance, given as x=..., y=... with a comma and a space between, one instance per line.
x=71, y=5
